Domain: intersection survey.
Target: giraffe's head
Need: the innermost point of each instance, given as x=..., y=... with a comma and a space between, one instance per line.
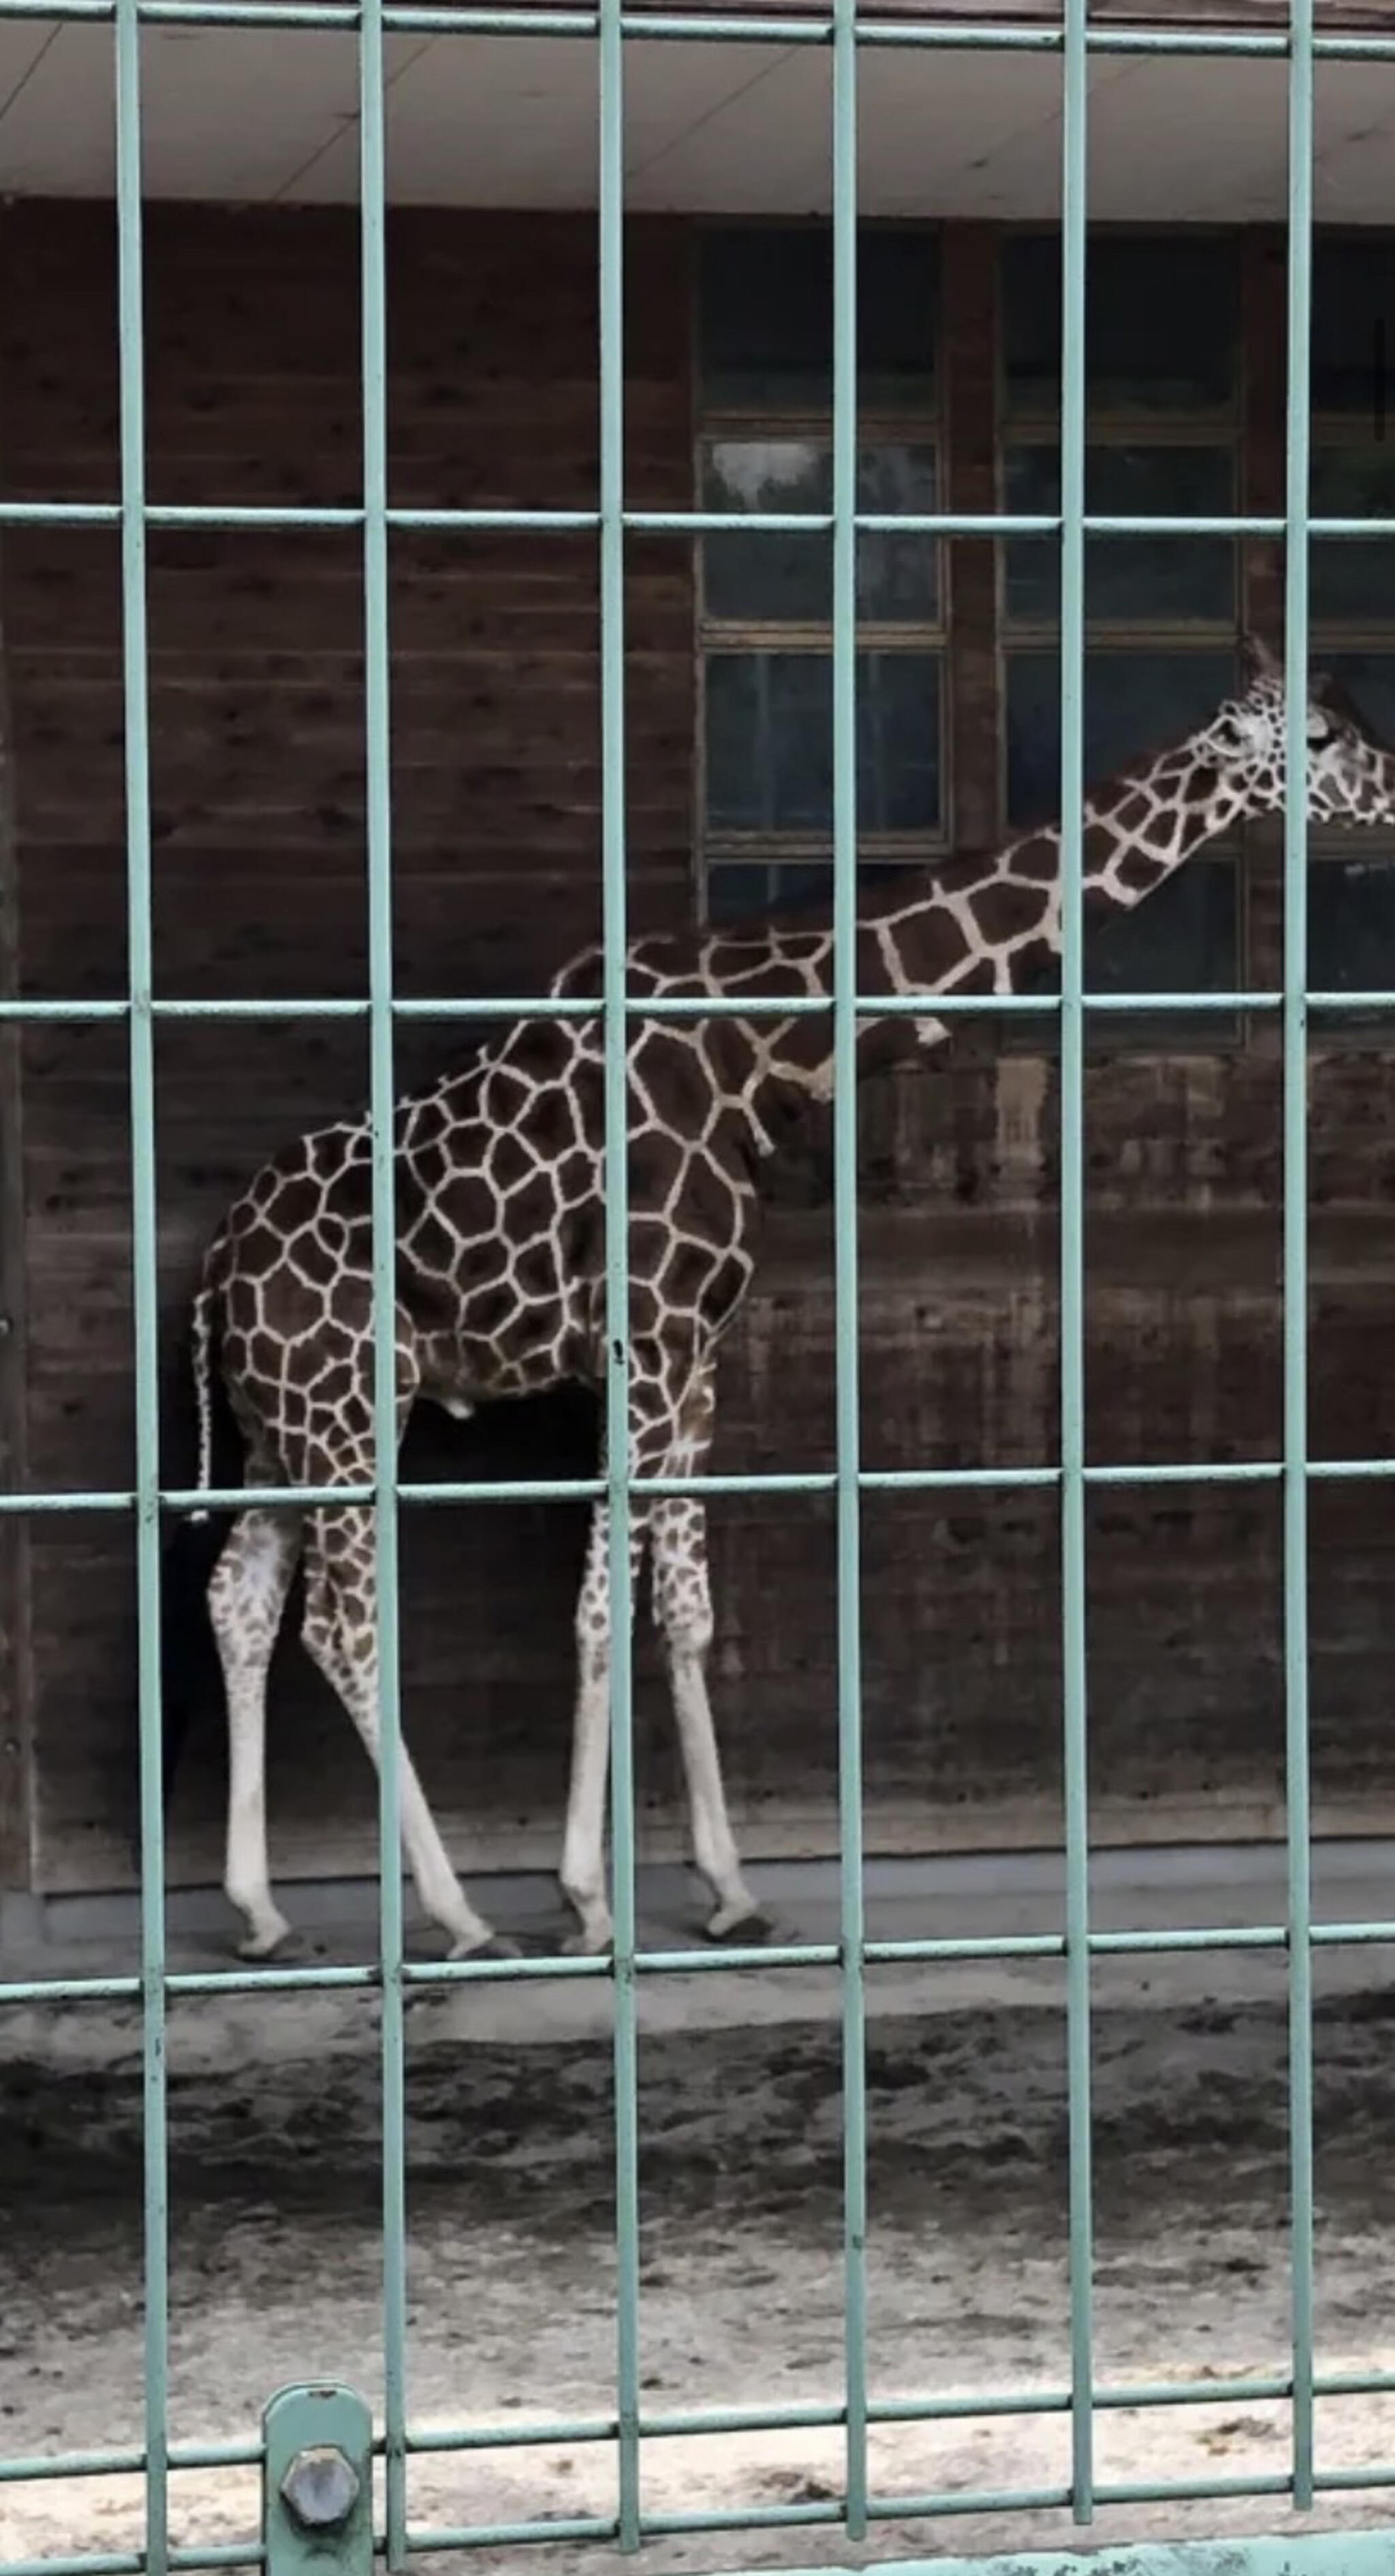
x=1351, y=772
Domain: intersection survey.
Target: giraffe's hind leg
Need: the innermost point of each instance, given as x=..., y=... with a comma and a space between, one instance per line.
x=683, y=1615
x=246, y=1597
x=682, y=1596
x=340, y=1634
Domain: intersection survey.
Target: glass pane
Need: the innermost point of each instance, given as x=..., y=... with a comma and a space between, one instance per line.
x=1353, y=361
x=1182, y=939
x=1134, y=703
x=766, y=317
x=1351, y=935
x=1161, y=327
x=769, y=742
x=897, y=577
x=1351, y=886
x=1370, y=680
x=898, y=742
x=1142, y=580
x=736, y=890
x=774, y=578
x=1349, y=580
x=736, y=887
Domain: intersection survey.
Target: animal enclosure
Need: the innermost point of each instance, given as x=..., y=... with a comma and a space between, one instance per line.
x=677, y=509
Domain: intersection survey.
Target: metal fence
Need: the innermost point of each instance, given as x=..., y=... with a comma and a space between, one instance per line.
x=613, y=27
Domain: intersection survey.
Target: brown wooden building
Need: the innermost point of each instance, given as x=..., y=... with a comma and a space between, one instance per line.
x=257, y=787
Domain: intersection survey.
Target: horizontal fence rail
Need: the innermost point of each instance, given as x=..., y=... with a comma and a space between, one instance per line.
x=771, y=27
x=393, y=1981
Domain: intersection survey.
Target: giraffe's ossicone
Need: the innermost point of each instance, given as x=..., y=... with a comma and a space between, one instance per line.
x=500, y=1260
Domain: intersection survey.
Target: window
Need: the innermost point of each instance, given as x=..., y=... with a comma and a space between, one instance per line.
x=1351, y=893
x=766, y=601
x=1163, y=437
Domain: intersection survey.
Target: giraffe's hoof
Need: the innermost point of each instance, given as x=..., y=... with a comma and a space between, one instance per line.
x=739, y=1927
x=275, y=1949
x=495, y=1945
x=588, y=1945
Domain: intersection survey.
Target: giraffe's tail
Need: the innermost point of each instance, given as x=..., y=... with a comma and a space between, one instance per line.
x=189, y=1671
x=205, y=1304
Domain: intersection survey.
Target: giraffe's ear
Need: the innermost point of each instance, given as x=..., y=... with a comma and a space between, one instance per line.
x=1257, y=661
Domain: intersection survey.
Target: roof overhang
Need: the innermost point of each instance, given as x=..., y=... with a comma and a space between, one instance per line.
x=260, y=115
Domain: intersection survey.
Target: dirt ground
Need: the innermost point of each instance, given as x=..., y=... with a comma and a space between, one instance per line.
x=276, y=2261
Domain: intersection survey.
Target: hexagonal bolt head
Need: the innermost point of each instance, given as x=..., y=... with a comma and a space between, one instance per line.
x=320, y=2488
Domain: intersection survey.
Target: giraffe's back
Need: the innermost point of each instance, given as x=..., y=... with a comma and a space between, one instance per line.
x=500, y=1233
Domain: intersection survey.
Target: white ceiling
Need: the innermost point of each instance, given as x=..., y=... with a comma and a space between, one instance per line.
x=252, y=115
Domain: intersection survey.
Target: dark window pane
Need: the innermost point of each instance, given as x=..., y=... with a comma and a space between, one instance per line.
x=1184, y=939
x=898, y=742
x=1370, y=680
x=1350, y=580
x=1160, y=323
x=1140, y=580
x=1134, y=703
x=1351, y=886
x=897, y=576
x=736, y=887
x=1353, y=360
x=766, y=316
x=1351, y=934
x=769, y=742
x=769, y=752
x=736, y=891
x=789, y=579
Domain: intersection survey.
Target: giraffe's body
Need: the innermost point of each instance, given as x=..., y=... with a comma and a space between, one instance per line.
x=501, y=1262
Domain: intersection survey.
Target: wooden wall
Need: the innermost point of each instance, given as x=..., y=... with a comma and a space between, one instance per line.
x=258, y=809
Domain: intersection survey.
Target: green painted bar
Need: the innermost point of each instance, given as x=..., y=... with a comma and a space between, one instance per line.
x=846, y=1435
x=1365, y=2553
x=144, y=1259
x=964, y=36
x=1295, y=1222
x=610, y=253
x=514, y=2535
x=612, y=24
x=685, y=1007
x=382, y=1096
x=929, y=1480
x=766, y=523
x=1218, y=1938
x=114, y=2563
x=1072, y=1259
x=969, y=2407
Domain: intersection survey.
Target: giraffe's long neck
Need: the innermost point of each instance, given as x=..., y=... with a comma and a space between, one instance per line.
x=988, y=925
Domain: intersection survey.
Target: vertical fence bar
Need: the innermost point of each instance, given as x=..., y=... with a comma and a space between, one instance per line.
x=610, y=251
x=378, y=787
x=144, y=1274
x=1295, y=1257
x=854, y=1998
x=1074, y=200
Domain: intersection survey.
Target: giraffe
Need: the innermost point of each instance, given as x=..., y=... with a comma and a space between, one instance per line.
x=500, y=1264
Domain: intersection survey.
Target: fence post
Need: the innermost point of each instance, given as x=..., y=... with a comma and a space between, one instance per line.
x=317, y=2481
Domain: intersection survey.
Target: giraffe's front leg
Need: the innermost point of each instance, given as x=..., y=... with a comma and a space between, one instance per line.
x=583, y=1848
x=340, y=1633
